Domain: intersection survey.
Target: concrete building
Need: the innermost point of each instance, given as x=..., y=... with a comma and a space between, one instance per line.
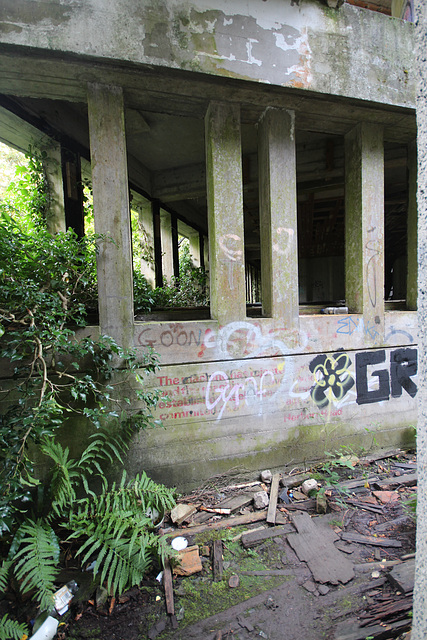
x=280, y=138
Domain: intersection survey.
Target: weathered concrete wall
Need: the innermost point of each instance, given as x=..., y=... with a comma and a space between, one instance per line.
x=251, y=394
x=350, y=52
x=419, y=630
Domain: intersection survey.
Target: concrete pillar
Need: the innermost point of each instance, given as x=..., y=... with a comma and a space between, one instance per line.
x=225, y=213
x=55, y=220
x=167, y=245
x=412, y=263
x=419, y=625
x=278, y=216
x=146, y=236
x=364, y=226
x=111, y=211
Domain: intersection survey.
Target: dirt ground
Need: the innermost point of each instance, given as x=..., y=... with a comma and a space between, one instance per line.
x=277, y=596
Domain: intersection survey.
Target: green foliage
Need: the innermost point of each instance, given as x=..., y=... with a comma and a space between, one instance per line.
x=57, y=376
x=10, y=629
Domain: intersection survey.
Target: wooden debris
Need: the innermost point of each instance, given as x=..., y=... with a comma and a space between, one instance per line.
x=254, y=538
x=407, y=480
x=167, y=582
x=269, y=572
x=359, y=504
x=302, y=505
x=245, y=624
x=235, y=521
x=274, y=490
x=235, y=502
x=189, y=562
x=217, y=564
x=378, y=542
x=381, y=455
x=222, y=512
x=350, y=630
x=314, y=545
x=244, y=485
x=364, y=567
x=402, y=576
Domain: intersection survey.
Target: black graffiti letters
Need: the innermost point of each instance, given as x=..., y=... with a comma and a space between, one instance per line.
x=403, y=365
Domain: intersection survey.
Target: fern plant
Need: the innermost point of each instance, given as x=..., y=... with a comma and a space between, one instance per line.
x=56, y=375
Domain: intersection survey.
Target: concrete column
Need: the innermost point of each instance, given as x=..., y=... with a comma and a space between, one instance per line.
x=412, y=268
x=55, y=221
x=111, y=211
x=419, y=625
x=146, y=236
x=167, y=245
x=278, y=216
x=225, y=213
x=364, y=226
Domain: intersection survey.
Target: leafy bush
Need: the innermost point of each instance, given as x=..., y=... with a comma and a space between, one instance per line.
x=55, y=376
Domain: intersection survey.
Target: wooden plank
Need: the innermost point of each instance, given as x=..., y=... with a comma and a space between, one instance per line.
x=274, y=490
x=253, y=539
x=407, y=480
x=235, y=521
x=168, y=585
x=217, y=564
x=314, y=545
x=377, y=542
x=236, y=502
x=402, y=577
x=350, y=630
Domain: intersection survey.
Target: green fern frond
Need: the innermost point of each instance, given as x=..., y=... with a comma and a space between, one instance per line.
x=10, y=629
x=64, y=475
x=36, y=561
x=4, y=574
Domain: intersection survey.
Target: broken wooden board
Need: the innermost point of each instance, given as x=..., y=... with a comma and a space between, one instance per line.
x=402, y=576
x=217, y=564
x=315, y=545
x=236, y=502
x=377, y=542
x=254, y=538
x=235, y=521
x=167, y=582
x=274, y=490
x=407, y=480
x=350, y=630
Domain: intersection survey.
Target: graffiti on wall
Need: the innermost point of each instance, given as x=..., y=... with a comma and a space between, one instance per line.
x=332, y=379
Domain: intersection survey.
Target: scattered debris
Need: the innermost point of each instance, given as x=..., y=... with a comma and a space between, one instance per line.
x=266, y=475
x=272, y=506
x=217, y=566
x=188, y=562
x=309, y=485
x=260, y=499
x=182, y=512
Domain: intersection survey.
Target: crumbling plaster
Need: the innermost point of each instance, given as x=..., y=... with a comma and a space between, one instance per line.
x=348, y=52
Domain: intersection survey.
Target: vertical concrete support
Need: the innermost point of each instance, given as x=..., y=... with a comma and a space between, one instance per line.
x=278, y=216
x=419, y=626
x=364, y=226
x=167, y=245
x=111, y=211
x=225, y=213
x=412, y=269
x=52, y=165
x=146, y=236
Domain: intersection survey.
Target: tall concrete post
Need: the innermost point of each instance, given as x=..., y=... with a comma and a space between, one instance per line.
x=412, y=269
x=167, y=245
x=225, y=213
x=278, y=216
x=55, y=221
x=364, y=226
x=111, y=211
x=419, y=627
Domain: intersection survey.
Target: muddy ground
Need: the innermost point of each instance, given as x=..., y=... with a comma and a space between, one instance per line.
x=277, y=596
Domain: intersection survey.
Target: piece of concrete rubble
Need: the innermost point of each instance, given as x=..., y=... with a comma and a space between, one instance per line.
x=309, y=485
x=188, y=562
x=181, y=512
x=266, y=475
x=261, y=499
x=323, y=589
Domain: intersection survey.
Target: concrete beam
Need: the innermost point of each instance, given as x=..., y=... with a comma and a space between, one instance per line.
x=278, y=216
x=111, y=211
x=225, y=213
x=364, y=226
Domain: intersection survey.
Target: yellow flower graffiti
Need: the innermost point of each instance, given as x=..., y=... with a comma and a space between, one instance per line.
x=332, y=378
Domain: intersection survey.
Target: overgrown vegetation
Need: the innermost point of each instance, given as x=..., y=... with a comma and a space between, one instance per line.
x=53, y=378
